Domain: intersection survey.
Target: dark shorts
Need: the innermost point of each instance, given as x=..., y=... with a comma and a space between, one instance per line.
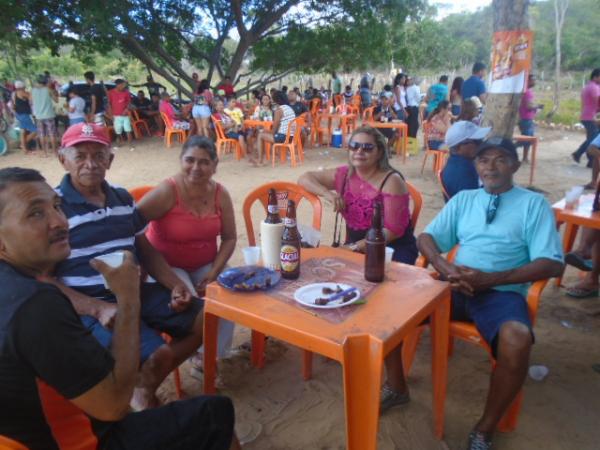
x=389, y=133
x=435, y=144
x=156, y=317
x=489, y=310
x=279, y=138
x=199, y=423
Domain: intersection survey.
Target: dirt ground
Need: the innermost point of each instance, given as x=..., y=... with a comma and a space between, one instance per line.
x=561, y=412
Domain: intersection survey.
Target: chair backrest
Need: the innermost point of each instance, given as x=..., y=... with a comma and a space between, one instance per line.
x=218, y=128
x=135, y=114
x=338, y=98
x=368, y=114
x=417, y=200
x=444, y=191
x=166, y=120
x=138, y=192
x=9, y=444
x=285, y=191
x=315, y=103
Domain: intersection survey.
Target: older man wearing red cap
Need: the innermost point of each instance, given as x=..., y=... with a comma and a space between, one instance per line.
x=103, y=219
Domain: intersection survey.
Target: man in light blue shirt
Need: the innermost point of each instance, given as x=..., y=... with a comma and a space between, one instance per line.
x=507, y=239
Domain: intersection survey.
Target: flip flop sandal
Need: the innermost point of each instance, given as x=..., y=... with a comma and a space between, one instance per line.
x=577, y=261
x=578, y=292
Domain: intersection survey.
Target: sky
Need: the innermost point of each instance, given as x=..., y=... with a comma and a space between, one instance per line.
x=446, y=7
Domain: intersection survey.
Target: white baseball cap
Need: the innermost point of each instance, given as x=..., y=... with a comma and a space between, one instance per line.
x=463, y=130
x=19, y=84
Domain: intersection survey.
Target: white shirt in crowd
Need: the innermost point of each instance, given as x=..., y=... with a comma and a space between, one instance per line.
x=413, y=95
x=76, y=108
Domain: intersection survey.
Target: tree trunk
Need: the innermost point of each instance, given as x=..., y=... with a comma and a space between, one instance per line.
x=502, y=110
x=560, y=11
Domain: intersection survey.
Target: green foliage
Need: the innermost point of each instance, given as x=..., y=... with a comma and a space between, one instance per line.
x=67, y=66
x=469, y=35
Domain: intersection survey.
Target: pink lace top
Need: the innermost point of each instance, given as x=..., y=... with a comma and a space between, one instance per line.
x=359, y=196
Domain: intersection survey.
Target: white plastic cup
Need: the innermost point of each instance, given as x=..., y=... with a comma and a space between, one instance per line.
x=389, y=252
x=114, y=260
x=251, y=255
x=538, y=372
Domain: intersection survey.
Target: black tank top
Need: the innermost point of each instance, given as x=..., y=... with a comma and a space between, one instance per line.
x=22, y=106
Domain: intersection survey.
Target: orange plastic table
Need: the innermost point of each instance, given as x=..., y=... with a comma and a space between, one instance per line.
x=252, y=123
x=581, y=216
x=402, y=142
x=359, y=343
x=534, y=142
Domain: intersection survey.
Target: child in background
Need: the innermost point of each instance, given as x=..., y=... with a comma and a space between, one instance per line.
x=76, y=108
x=235, y=113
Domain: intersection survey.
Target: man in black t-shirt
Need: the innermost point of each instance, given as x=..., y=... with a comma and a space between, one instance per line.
x=97, y=96
x=153, y=87
x=141, y=102
x=49, y=359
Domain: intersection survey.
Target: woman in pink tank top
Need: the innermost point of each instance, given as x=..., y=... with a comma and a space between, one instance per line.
x=187, y=213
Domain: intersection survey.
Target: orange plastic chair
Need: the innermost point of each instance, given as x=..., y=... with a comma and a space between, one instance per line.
x=444, y=191
x=417, y=200
x=296, y=193
x=338, y=99
x=368, y=114
x=137, y=193
x=138, y=124
x=318, y=131
x=225, y=144
x=9, y=444
x=292, y=144
x=466, y=331
x=171, y=132
x=110, y=128
x=439, y=156
x=315, y=105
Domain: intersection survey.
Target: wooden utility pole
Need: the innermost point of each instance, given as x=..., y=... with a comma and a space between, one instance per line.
x=502, y=110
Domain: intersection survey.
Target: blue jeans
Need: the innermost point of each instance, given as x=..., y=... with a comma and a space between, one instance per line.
x=527, y=128
x=434, y=144
x=591, y=131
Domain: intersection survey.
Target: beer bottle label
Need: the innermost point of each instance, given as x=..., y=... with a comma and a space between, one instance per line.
x=289, y=222
x=289, y=258
x=273, y=209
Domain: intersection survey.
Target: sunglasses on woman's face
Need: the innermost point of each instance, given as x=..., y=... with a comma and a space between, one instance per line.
x=367, y=147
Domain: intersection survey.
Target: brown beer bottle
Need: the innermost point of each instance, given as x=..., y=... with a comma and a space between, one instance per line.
x=375, y=249
x=272, y=208
x=289, y=256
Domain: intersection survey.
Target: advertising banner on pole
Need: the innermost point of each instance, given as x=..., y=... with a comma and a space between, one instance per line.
x=511, y=61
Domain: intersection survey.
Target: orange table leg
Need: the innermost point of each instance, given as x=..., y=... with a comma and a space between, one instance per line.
x=440, y=324
x=362, y=365
x=307, y=361
x=258, y=349
x=405, y=143
x=211, y=323
x=533, y=154
x=568, y=242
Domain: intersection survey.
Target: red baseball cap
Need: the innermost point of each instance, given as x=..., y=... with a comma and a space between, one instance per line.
x=85, y=132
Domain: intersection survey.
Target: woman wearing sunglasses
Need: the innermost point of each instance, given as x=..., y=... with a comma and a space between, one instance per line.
x=354, y=188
